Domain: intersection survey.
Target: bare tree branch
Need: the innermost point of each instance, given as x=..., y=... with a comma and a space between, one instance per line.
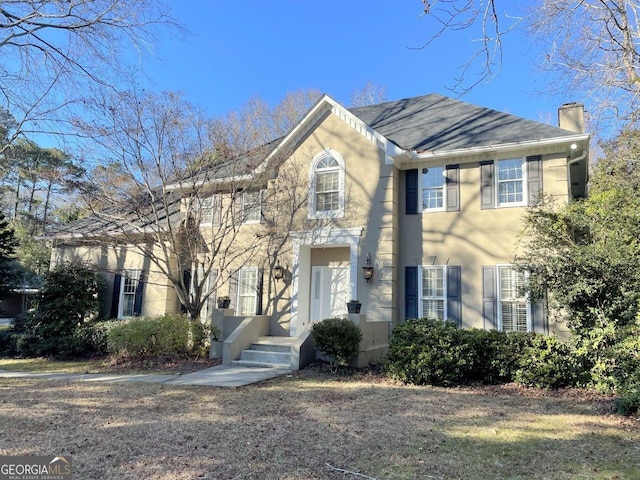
x=54, y=51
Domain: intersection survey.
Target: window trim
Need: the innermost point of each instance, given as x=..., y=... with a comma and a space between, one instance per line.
x=443, y=187
x=524, y=180
x=499, y=300
x=257, y=206
x=133, y=274
x=216, y=208
x=421, y=297
x=313, y=213
x=239, y=294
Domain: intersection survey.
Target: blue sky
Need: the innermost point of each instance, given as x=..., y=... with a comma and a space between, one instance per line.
x=236, y=50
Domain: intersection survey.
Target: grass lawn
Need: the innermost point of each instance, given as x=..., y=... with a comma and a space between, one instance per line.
x=292, y=427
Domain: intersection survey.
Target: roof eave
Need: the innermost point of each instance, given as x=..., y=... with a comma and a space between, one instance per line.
x=500, y=148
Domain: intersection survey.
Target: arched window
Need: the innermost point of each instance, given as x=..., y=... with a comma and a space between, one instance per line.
x=327, y=186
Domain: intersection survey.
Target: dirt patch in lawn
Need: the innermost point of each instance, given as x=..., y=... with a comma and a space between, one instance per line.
x=158, y=365
x=306, y=425
x=162, y=365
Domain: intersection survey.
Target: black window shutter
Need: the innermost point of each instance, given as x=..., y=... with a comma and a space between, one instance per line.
x=115, y=298
x=454, y=295
x=534, y=178
x=487, y=188
x=411, y=292
x=137, y=302
x=489, y=298
x=453, y=188
x=411, y=179
x=539, y=320
x=259, y=292
x=186, y=279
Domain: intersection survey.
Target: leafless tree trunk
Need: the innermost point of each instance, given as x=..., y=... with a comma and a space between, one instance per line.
x=191, y=185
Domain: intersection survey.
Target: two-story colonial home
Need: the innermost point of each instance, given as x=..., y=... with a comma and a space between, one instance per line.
x=411, y=207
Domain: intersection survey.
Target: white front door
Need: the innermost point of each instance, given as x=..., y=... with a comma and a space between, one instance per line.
x=329, y=292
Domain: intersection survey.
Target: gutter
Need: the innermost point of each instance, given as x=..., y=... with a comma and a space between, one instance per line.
x=461, y=152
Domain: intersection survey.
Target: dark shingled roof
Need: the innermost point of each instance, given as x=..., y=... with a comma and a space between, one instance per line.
x=437, y=123
x=118, y=221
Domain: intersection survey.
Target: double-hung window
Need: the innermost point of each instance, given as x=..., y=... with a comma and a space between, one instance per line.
x=511, y=182
x=433, y=291
x=252, y=206
x=128, y=287
x=433, y=188
x=326, y=199
x=248, y=291
x=513, y=310
x=210, y=210
x=327, y=185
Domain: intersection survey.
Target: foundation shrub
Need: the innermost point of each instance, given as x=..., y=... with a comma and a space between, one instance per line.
x=432, y=352
x=151, y=337
x=549, y=363
x=497, y=354
x=429, y=352
x=338, y=338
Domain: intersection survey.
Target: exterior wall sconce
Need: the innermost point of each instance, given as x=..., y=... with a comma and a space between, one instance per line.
x=367, y=270
x=278, y=271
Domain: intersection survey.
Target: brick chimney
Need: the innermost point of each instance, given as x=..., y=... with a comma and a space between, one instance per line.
x=571, y=117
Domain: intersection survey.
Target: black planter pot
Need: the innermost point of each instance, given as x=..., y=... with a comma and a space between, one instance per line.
x=224, y=302
x=354, y=306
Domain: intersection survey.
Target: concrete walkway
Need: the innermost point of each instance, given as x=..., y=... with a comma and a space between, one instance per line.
x=218, y=376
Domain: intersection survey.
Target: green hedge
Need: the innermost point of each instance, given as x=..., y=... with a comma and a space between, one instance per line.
x=432, y=352
x=150, y=337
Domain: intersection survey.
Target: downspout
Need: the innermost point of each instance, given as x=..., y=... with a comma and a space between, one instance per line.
x=573, y=161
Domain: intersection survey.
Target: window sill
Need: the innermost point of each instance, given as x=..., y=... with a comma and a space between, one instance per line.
x=326, y=215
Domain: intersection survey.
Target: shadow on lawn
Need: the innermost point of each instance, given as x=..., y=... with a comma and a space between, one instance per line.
x=291, y=427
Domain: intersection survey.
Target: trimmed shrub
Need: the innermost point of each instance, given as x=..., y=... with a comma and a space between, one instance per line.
x=428, y=352
x=548, y=363
x=151, y=337
x=338, y=338
x=497, y=354
x=432, y=352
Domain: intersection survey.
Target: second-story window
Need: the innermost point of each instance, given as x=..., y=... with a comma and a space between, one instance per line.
x=252, y=206
x=210, y=209
x=510, y=181
x=327, y=186
x=433, y=188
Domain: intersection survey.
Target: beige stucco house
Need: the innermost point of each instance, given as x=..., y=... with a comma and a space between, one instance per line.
x=428, y=191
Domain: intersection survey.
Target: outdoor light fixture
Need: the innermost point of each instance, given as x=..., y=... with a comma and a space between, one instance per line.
x=574, y=146
x=278, y=271
x=367, y=270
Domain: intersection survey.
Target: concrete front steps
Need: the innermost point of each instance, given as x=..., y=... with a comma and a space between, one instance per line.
x=273, y=352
